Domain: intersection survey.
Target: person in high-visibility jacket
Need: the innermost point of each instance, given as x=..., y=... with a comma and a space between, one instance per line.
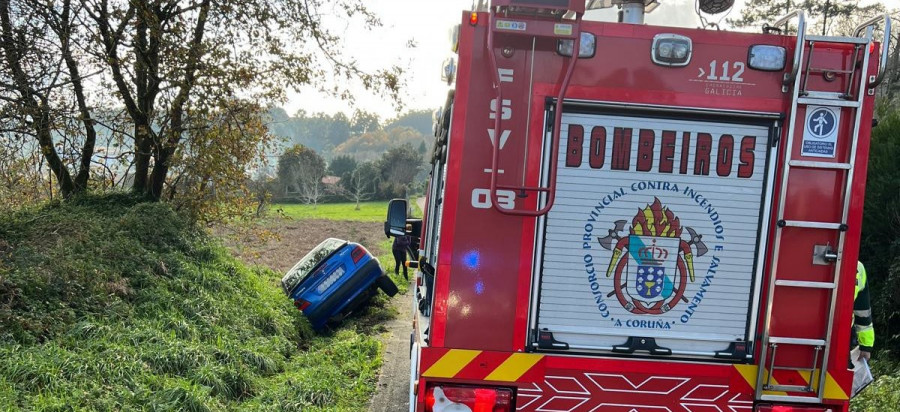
x=863, y=332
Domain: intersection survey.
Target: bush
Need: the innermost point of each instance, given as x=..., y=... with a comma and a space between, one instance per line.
x=880, y=245
x=884, y=393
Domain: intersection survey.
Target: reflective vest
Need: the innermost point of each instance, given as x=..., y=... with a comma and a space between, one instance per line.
x=862, y=311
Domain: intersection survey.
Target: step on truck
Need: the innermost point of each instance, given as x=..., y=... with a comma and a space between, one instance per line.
x=627, y=217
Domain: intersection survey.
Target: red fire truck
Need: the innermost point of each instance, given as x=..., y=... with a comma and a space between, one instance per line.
x=626, y=217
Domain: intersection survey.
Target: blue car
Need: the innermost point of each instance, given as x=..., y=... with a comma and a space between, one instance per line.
x=334, y=279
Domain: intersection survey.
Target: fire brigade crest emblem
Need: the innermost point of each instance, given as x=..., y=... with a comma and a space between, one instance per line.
x=652, y=265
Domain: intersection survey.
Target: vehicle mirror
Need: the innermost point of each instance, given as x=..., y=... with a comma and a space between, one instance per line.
x=396, y=218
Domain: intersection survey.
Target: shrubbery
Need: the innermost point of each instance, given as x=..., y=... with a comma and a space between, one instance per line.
x=880, y=246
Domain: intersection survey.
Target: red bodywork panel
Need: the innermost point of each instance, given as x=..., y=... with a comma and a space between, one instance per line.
x=485, y=258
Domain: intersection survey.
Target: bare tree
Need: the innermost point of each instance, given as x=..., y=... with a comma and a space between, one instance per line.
x=356, y=186
x=307, y=184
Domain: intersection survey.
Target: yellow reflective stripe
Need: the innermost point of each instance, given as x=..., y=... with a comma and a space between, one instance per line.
x=866, y=336
x=748, y=372
x=451, y=363
x=514, y=367
x=832, y=389
x=860, y=279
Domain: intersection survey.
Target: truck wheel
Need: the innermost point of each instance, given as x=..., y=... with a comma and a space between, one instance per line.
x=386, y=285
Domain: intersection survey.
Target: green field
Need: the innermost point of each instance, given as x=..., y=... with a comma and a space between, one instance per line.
x=368, y=211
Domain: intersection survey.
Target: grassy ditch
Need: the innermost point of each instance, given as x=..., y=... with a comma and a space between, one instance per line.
x=108, y=303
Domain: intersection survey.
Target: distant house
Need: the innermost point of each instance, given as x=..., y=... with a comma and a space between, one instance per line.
x=330, y=180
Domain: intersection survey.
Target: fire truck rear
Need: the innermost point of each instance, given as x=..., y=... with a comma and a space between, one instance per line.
x=625, y=217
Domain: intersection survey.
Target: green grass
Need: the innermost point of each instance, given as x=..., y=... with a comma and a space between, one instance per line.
x=368, y=211
x=387, y=263
x=109, y=303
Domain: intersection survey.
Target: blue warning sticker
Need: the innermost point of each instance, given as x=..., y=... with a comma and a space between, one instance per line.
x=820, y=131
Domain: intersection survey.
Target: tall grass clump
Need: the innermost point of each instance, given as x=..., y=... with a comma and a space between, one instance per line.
x=112, y=303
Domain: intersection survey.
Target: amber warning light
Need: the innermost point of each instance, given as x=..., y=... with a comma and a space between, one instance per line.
x=473, y=19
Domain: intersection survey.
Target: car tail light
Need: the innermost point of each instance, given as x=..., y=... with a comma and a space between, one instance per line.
x=478, y=399
x=301, y=304
x=791, y=408
x=358, y=253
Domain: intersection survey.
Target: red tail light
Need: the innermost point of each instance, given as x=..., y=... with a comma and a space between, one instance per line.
x=358, y=253
x=301, y=304
x=479, y=399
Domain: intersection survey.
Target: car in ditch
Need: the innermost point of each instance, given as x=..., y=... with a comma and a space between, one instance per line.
x=333, y=279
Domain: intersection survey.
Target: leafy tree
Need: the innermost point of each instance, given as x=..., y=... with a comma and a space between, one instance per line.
x=338, y=130
x=262, y=187
x=341, y=165
x=371, y=146
x=209, y=179
x=420, y=120
x=397, y=170
x=320, y=132
x=364, y=122
x=826, y=17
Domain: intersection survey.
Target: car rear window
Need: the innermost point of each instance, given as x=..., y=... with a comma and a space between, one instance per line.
x=308, y=264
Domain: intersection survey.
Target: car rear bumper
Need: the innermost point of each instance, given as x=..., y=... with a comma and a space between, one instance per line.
x=338, y=299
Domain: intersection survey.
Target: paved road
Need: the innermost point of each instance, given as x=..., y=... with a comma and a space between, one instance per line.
x=392, y=394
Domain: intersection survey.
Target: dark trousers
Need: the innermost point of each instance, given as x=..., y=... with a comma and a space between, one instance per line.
x=400, y=259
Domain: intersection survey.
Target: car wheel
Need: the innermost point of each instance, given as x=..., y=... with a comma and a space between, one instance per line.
x=386, y=285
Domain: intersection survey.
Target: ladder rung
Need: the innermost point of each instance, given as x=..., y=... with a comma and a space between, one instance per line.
x=788, y=398
x=820, y=165
x=805, y=284
x=823, y=70
x=793, y=368
x=812, y=94
x=797, y=341
x=838, y=39
x=828, y=102
x=787, y=388
x=813, y=225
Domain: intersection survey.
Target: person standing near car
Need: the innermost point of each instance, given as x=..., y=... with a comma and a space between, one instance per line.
x=863, y=333
x=401, y=243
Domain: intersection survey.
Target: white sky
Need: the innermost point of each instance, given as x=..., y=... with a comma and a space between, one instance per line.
x=428, y=24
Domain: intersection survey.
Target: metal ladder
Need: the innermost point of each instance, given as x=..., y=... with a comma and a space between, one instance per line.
x=546, y=29
x=851, y=98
